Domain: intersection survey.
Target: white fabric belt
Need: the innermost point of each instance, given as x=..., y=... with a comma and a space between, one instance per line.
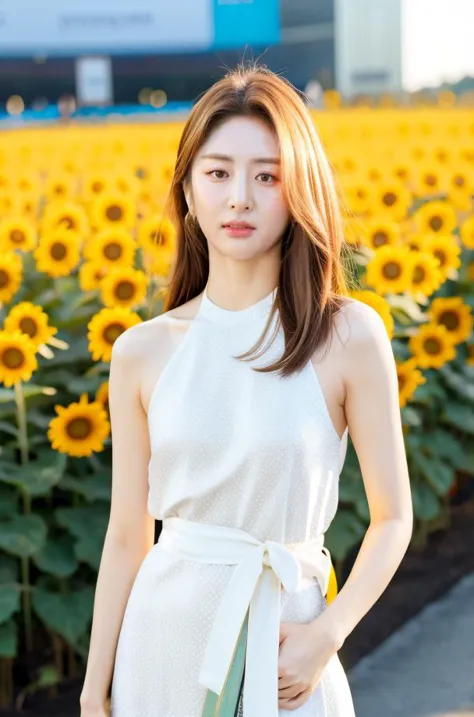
x=255, y=584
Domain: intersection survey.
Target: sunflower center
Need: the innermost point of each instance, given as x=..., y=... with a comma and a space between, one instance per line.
x=58, y=251
x=392, y=270
x=450, y=319
x=361, y=194
x=17, y=236
x=79, y=428
x=113, y=250
x=436, y=222
x=13, y=357
x=28, y=326
x=432, y=346
x=112, y=332
x=97, y=187
x=4, y=278
x=441, y=256
x=114, y=212
x=419, y=274
x=389, y=199
x=59, y=189
x=125, y=290
x=68, y=222
x=379, y=238
x=401, y=382
x=430, y=180
x=459, y=180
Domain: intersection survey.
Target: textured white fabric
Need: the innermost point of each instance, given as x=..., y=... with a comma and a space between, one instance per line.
x=252, y=587
x=232, y=448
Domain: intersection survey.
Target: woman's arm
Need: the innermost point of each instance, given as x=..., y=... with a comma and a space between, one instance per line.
x=130, y=531
x=373, y=415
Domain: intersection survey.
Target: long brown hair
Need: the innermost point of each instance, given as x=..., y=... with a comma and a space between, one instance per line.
x=312, y=278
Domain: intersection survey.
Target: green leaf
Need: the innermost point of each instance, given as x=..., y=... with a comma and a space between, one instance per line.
x=88, y=524
x=67, y=614
x=9, y=428
x=9, y=639
x=57, y=557
x=457, y=382
x=442, y=444
x=8, y=501
x=425, y=502
x=7, y=395
x=9, y=601
x=22, y=535
x=345, y=532
x=439, y=475
x=9, y=569
x=459, y=415
x=410, y=416
x=94, y=487
x=36, y=477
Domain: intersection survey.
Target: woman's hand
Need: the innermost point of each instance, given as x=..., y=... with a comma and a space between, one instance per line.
x=305, y=650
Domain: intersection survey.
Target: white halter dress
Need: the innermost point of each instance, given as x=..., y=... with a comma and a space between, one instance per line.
x=244, y=474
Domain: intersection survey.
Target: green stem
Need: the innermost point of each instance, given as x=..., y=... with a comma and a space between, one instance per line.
x=25, y=562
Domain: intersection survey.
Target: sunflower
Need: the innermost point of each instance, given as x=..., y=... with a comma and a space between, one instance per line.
x=57, y=254
x=389, y=271
x=102, y=395
x=426, y=274
x=392, y=198
x=11, y=275
x=124, y=286
x=105, y=327
x=68, y=215
x=157, y=234
x=414, y=241
x=356, y=194
x=80, y=428
x=436, y=216
x=432, y=346
x=95, y=184
x=17, y=233
x=454, y=315
x=466, y=232
x=446, y=250
x=460, y=178
x=17, y=357
x=409, y=378
x=27, y=183
x=111, y=247
x=381, y=306
x=382, y=231
x=60, y=187
x=113, y=209
x=30, y=320
x=91, y=274
x=427, y=180
x=158, y=265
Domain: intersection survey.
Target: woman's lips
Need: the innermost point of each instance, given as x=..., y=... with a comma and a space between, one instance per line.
x=238, y=231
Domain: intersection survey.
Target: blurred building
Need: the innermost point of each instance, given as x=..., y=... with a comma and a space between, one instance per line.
x=183, y=46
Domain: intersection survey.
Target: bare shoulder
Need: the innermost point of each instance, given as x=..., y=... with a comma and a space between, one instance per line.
x=138, y=340
x=358, y=324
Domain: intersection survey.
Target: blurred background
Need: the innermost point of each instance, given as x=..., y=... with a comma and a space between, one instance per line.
x=93, y=97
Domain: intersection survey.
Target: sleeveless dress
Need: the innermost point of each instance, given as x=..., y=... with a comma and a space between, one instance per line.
x=245, y=451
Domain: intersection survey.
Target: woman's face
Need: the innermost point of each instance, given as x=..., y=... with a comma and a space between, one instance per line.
x=243, y=184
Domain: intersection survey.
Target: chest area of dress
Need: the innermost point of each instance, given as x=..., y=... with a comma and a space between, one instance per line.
x=211, y=401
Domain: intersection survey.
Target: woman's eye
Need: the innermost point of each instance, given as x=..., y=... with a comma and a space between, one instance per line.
x=265, y=174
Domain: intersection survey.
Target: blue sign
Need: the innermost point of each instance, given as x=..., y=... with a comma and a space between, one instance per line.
x=242, y=22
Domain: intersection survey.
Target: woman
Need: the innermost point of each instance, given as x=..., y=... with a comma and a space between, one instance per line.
x=237, y=452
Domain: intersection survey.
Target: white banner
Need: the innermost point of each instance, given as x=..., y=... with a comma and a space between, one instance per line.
x=71, y=27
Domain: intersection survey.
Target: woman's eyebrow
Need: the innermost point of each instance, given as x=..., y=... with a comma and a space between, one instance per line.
x=257, y=160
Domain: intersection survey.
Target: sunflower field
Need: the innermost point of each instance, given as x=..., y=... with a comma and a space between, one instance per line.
x=85, y=253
